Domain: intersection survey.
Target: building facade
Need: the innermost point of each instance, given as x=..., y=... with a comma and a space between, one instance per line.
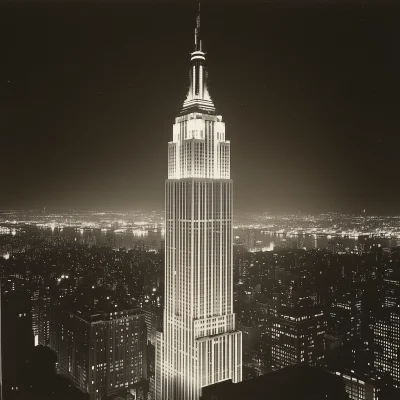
x=200, y=344
x=358, y=387
x=16, y=339
x=43, y=316
x=154, y=321
x=249, y=239
x=386, y=331
x=298, y=337
x=102, y=354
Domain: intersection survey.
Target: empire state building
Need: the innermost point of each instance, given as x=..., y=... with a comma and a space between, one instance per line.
x=199, y=345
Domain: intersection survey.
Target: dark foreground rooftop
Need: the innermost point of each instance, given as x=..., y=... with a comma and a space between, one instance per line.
x=297, y=382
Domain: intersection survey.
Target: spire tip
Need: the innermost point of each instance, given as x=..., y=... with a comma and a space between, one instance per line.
x=197, y=40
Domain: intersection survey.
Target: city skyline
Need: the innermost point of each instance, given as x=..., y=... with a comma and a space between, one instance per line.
x=313, y=141
x=261, y=260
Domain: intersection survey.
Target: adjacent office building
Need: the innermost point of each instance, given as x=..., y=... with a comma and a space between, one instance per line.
x=386, y=331
x=357, y=386
x=102, y=351
x=16, y=338
x=298, y=337
x=44, y=315
x=154, y=321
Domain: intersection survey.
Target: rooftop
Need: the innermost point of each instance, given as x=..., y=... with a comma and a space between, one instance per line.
x=103, y=308
x=298, y=382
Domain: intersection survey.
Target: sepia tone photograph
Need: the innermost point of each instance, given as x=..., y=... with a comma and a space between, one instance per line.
x=199, y=200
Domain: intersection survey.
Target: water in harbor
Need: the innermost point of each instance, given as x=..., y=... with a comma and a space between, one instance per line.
x=268, y=241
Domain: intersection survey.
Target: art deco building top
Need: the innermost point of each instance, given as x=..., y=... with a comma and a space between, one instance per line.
x=198, y=97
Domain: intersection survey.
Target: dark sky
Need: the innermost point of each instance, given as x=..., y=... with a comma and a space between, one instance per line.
x=309, y=94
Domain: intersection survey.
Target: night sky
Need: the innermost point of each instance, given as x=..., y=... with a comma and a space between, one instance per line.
x=309, y=94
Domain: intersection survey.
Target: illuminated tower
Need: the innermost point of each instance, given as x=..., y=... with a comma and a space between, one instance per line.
x=199, y=345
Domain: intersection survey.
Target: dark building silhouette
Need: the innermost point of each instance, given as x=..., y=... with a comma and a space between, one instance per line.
x=44, y=381
x=154, y=322
x=386, y=331
x=43, y=316
x=101, y=350
x=292, y=383
x=298, y=337
x=345, y=313
x=17, y=340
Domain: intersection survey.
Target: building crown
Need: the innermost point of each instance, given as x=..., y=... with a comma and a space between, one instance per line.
x=198, y=98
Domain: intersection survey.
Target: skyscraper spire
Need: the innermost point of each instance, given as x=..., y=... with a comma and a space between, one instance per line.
x=197, y=39
x=198, y=97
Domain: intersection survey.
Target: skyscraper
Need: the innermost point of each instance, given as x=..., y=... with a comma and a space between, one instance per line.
x=386, y=331
x=101, y=350
x=17, y=339
x=199, y=345
x=43, y=315
x=297, y=336
x=249, y=239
